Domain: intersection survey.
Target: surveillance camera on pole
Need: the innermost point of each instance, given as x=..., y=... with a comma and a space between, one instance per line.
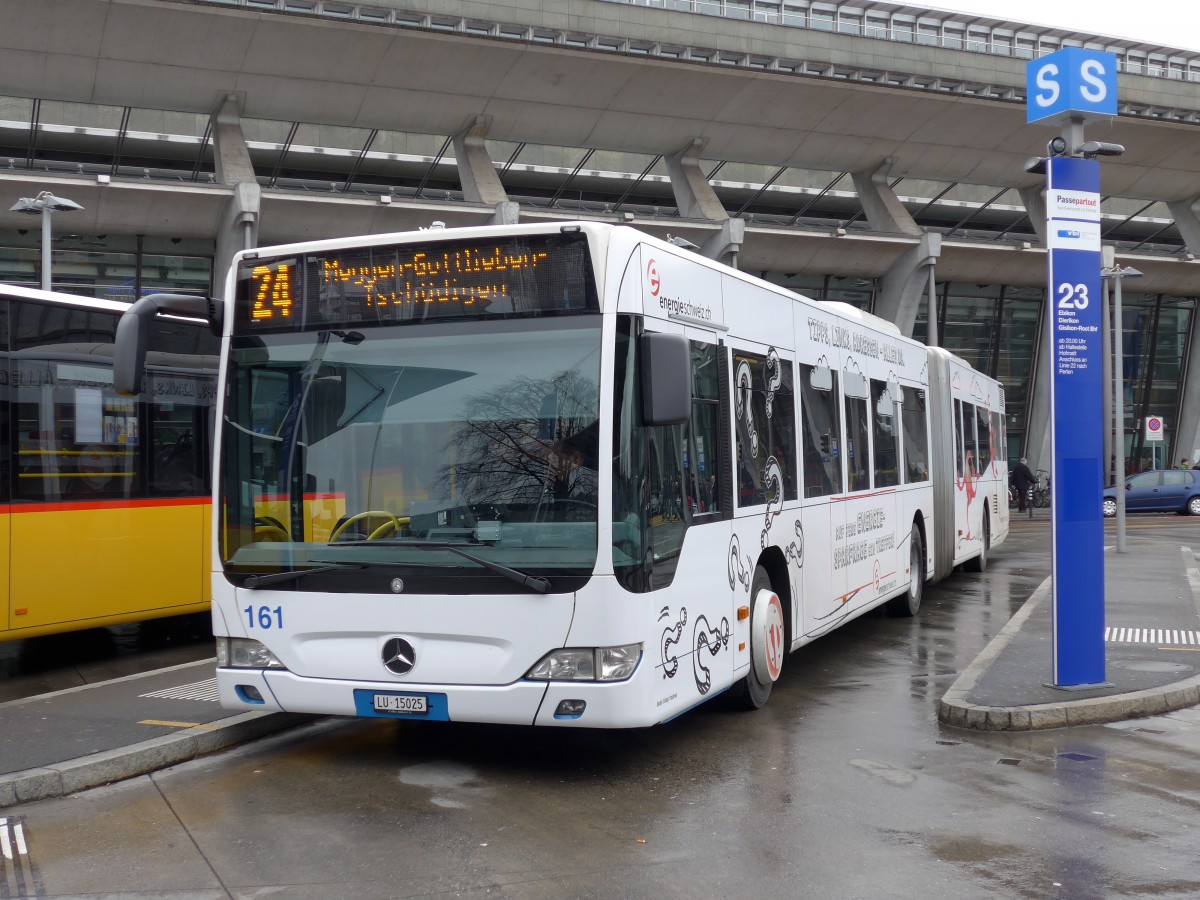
x=1092, y=149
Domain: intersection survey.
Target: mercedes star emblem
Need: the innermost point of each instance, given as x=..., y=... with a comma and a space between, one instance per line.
x=399, y=656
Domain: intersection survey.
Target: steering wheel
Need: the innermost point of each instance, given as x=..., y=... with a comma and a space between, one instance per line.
x=270, y=528
x=390, y=524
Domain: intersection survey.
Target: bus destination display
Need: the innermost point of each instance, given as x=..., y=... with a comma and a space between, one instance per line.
x=401, y=283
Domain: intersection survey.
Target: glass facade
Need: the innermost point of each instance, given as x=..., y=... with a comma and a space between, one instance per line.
x=995, y=328
x=858, y=292
x=1155, y=332
x=109, y=267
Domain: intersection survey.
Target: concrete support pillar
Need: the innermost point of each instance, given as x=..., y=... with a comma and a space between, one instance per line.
x=693, y=194
x=724, y=245
x=697, y=200
x=480, y=183
x=1187, y=218
x=506, y=213
x=1187, y=433
x=1034, y=199
x=230, y=153
x=906, y=283
x=238, y=229
x=882, y=207
x=1037, y=435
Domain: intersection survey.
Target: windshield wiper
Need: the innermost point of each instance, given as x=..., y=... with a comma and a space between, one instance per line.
x=256, y=581
x=533, y=582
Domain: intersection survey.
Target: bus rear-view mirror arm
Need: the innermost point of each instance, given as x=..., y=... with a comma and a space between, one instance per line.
x=133, y=332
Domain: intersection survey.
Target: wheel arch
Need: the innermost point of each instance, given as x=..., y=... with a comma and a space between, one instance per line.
x=919, y=524
x=775, y=565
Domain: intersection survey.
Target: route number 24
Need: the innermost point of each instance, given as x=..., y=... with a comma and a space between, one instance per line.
x=1072, y=296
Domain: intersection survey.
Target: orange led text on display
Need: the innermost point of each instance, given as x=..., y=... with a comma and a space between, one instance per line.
x=453, y=276
x=274, y=292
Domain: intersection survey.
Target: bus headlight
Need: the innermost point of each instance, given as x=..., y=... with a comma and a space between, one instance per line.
x=244, y=653
x=588, y=664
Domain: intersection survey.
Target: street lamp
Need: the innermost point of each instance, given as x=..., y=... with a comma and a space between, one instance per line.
x=44, y=204
x=1115, y=274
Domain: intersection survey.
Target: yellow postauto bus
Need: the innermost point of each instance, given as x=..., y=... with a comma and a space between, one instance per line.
x=105, y=500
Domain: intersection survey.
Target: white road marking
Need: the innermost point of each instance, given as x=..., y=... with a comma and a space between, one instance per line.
x=198, y=690
x=1161, y=636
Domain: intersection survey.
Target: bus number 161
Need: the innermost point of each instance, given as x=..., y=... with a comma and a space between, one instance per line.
x=264, y=617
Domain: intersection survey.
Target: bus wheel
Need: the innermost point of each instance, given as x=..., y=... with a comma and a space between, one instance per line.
x=909, y=602
x=979, y=563
x=766, y=644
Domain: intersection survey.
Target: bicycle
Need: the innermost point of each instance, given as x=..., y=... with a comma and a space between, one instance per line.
x=1041, y=490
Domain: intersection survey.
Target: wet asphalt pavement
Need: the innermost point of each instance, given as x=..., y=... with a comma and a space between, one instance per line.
x=73, y=659
x=845, y=785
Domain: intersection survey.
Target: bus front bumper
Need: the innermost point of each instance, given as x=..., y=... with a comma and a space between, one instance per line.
x=520, y=703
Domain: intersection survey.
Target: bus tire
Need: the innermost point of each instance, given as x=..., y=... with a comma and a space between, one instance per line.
x=753, y=691
x=908, y=603
x=979, y=563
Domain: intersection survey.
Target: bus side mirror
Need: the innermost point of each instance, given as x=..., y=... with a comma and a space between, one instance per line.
x=133, y=333
x=666, y=379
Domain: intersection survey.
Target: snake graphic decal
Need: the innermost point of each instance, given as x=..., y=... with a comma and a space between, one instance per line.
x=712, y=640
x=743, y=408
x=774, y=379
x=707, y=642
x=795, y=550
x=668, y=646
x=739, y=572
x=773, y=488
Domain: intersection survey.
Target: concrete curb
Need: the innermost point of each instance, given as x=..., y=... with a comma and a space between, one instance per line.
x=956, y=712
x=75, y=775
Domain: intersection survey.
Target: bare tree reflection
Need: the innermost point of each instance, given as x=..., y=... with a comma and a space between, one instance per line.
x=524, y=440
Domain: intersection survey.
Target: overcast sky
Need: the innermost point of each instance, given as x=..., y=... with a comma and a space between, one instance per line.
x=1170, y=23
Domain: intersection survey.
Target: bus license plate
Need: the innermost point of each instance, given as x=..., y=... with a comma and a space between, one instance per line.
x=409, y=704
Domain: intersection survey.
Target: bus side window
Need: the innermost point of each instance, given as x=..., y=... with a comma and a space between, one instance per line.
x=651, y=508
x=765, y=427
x=883, y=419
x=76, y=438
x=701, y=464
x=998, y=439
x=858, y=465
x=970, y=443
x=821, y=431
x=984, y=435
x=178, y=461
x=958, y=439
x=916, y=436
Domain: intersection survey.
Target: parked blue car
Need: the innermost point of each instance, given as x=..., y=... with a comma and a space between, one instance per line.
x=1165, y=490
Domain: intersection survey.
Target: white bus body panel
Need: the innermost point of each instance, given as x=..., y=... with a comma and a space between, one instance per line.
x=842, y=555
x=458, y=639
x=973, y=494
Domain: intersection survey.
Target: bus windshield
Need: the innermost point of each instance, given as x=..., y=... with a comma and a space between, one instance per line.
x=376, y=448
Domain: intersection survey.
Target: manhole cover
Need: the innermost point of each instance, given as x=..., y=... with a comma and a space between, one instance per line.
x=1151, y=666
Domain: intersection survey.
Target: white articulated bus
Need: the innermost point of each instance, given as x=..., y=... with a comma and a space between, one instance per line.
x=565, y=474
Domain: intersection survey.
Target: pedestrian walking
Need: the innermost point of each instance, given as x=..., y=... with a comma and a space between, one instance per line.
x=1023, y=480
